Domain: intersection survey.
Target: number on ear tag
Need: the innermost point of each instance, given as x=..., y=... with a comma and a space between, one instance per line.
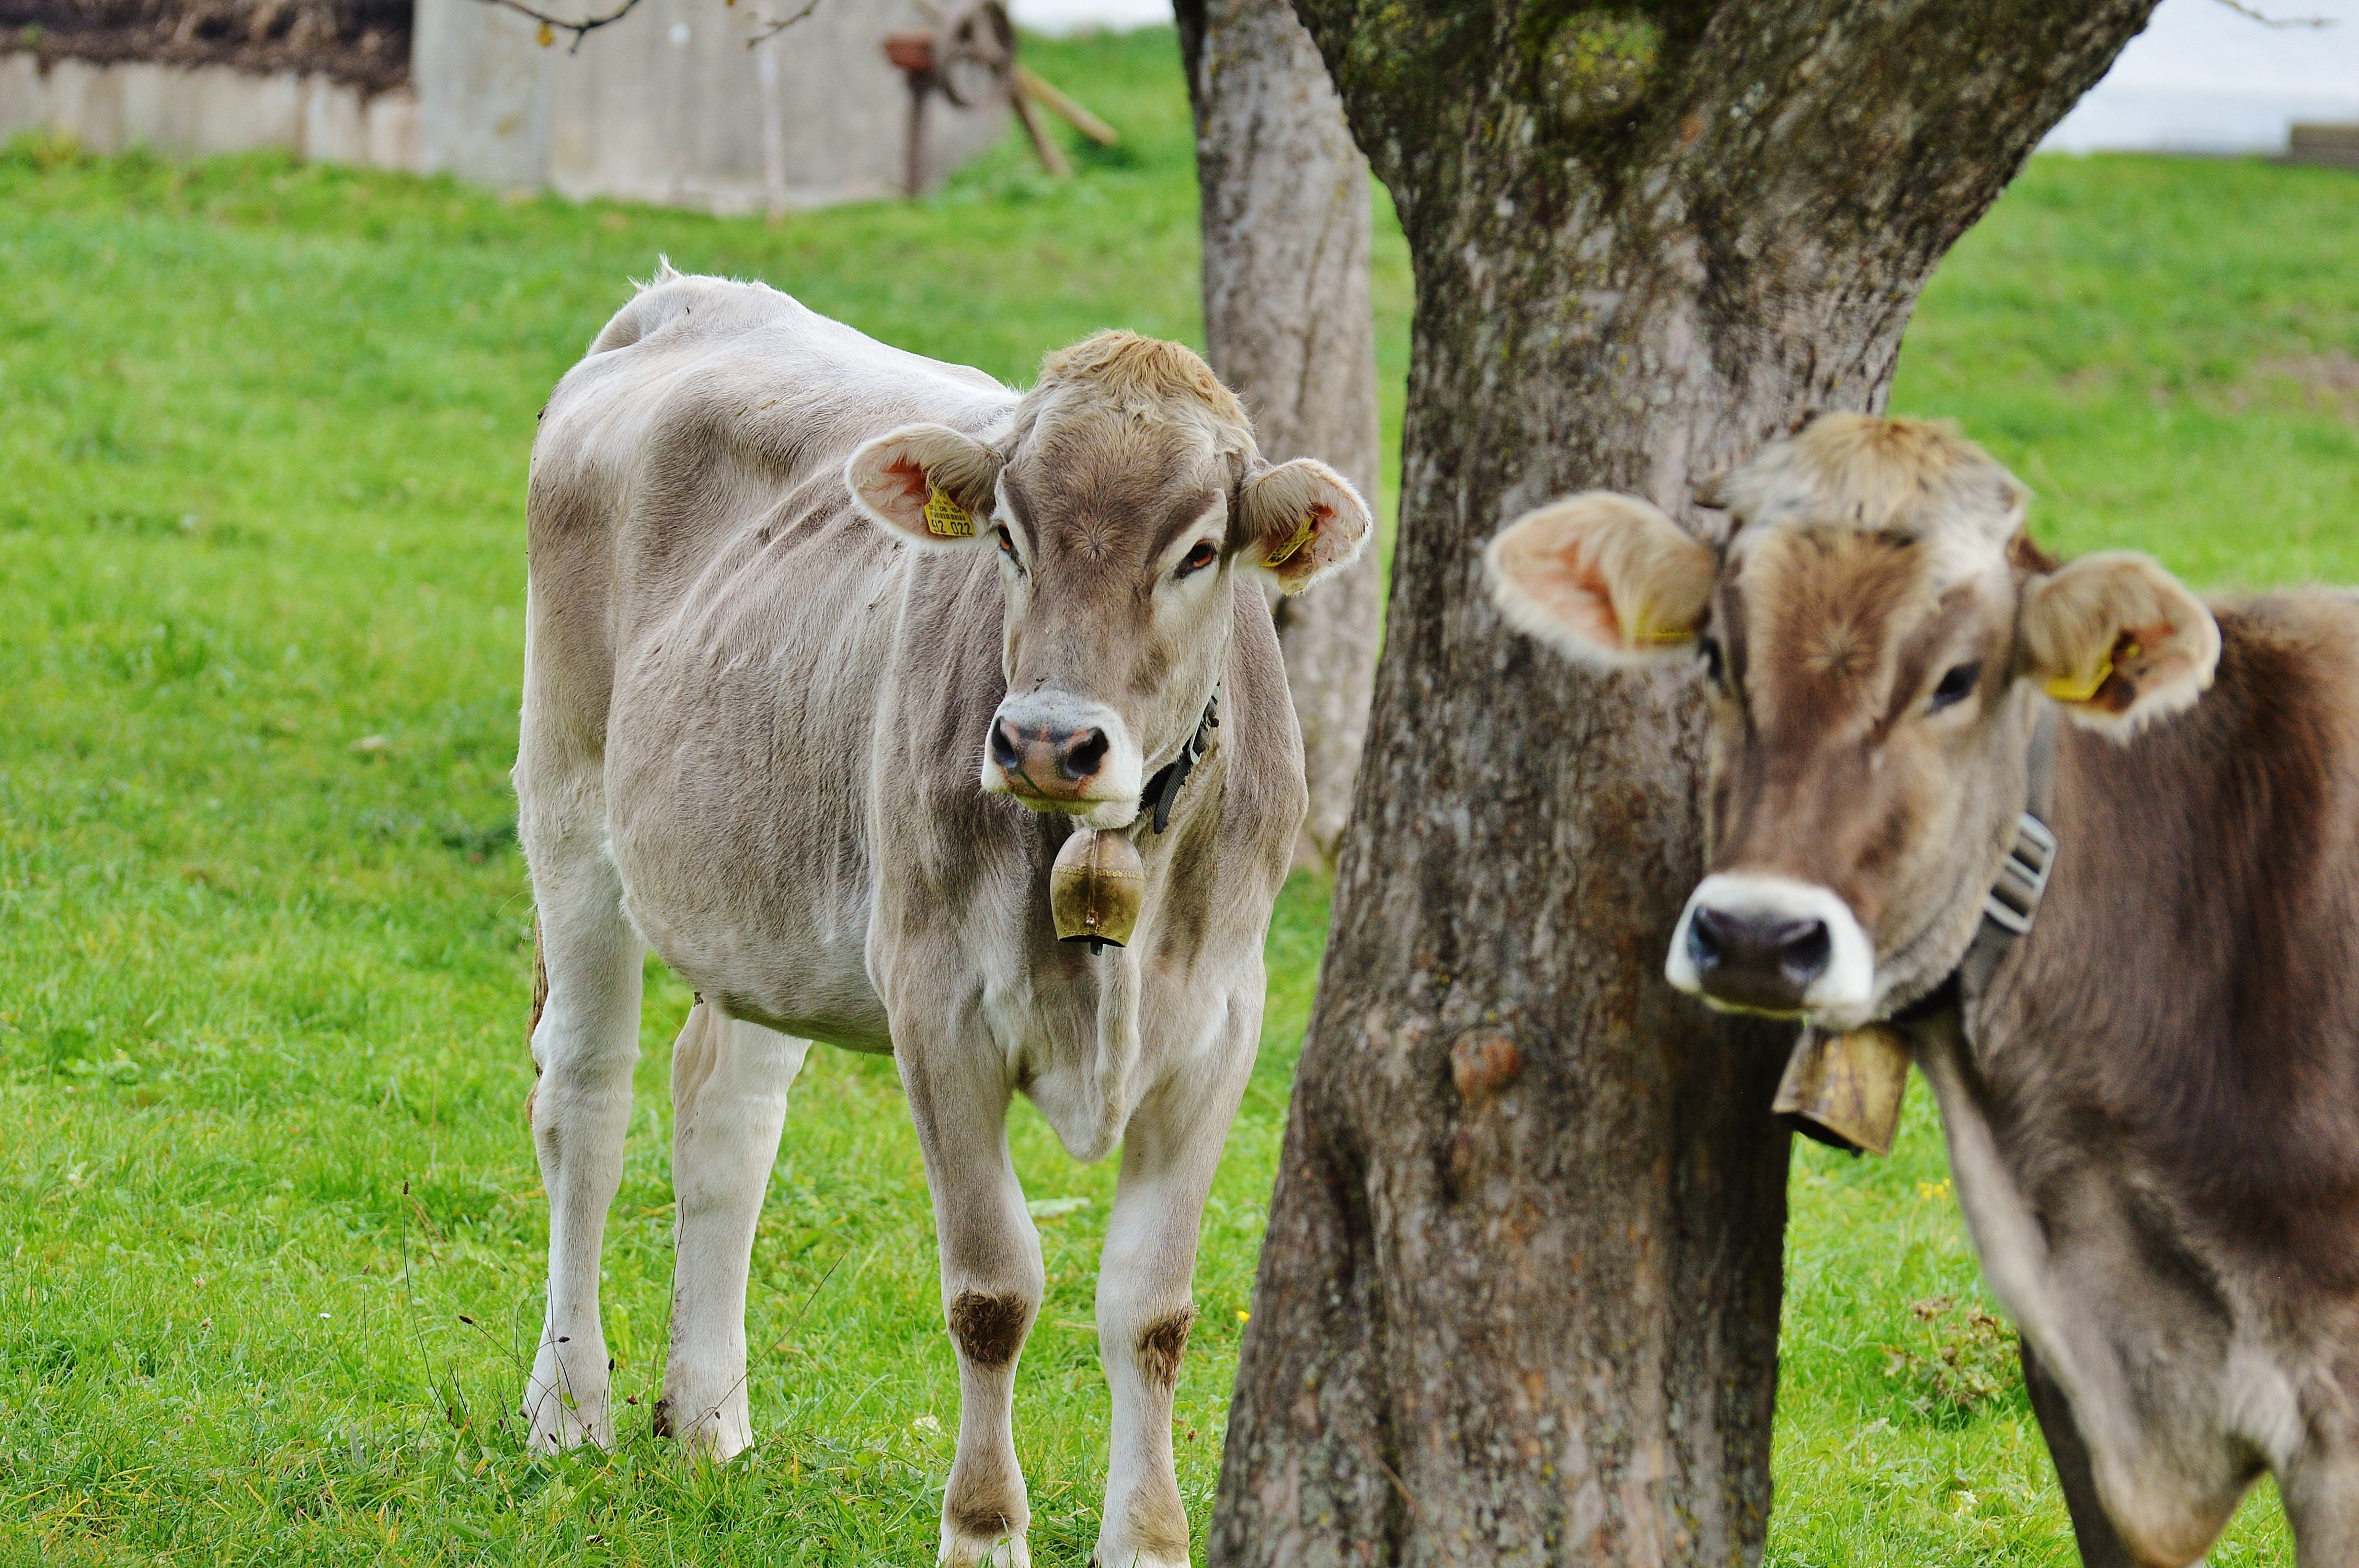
x=1294, y=546
x=2065, y=688
x=946, y=519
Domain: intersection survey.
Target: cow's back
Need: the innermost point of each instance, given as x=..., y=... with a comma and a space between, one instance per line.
x=712, y=623
x=700, y=405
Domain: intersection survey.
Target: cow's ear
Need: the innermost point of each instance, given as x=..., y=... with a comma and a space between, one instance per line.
x=926, y=482
x=1301, y=521
x=1605, y=579
x=2118, y=641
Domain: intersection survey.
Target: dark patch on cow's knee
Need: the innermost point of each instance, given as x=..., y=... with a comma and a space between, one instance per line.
x=663, y=1418
x=1162, y=1344
x=990, y=1328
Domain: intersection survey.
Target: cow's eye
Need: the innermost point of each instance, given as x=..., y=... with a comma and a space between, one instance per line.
x=1955, y=686
x=1716, y=668
x=1007, y=546
x=1201, y=557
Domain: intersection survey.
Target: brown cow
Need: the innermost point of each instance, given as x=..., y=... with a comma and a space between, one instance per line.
x=2151, y=1099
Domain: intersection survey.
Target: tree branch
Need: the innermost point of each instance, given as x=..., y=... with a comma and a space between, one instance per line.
x=551, y=25
x=2242, y=9
x=771, y=30
x=582, y=27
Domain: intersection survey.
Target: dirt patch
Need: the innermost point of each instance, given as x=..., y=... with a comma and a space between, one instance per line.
x=364, y=43
x=2330, y=380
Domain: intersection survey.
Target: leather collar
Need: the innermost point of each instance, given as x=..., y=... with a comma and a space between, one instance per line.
x=1164, y=787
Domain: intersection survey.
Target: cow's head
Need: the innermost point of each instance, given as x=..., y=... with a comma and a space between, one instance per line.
x=1121, y=496
x=1877, y=630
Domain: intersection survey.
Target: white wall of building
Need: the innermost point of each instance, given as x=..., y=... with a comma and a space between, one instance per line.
x=1080, y=15
x=669, y=105
x=2204, y=79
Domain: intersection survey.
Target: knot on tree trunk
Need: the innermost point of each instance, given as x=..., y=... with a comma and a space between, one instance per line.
x=1482, y=1062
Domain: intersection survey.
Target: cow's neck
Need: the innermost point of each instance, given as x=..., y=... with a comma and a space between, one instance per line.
x=1162, y=791
x=2014, y=899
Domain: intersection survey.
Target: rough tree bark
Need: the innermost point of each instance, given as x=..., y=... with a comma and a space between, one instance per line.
x=1288, y=327
x=1518, y=1301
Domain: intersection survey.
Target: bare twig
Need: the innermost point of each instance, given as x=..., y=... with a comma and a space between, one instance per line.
x=551, y=25
x=772, y=29
x=583, y=26
x=2265, y=20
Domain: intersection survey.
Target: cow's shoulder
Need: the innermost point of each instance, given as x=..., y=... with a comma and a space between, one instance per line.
x=2182, y=1017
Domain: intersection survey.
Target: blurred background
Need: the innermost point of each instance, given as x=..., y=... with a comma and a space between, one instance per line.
x=778, y=105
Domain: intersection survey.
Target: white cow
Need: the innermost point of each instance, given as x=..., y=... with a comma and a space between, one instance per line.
x=829, y=648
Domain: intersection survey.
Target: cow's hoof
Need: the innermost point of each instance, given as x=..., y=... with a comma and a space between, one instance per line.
x=1135, y=1558
x=960, y=1550
x=564, y=1406
x=719, y=1436
x=1149, y=1530
x=554, y=1426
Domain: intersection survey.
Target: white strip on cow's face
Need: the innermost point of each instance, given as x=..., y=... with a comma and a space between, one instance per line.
x=1751, y=943
x=1056, y=751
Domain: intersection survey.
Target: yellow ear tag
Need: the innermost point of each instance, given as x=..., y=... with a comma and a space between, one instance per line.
x=2065, y=688
x=1645, y=632
x=946, y=519
x=1294, y=546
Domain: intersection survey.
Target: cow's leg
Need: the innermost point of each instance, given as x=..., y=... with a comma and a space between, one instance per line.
x=1169, y=1153
x=991, y=1282
x=729, y=1083
x=2320, y=1488
x=586, y=1041
x=2100, y=1547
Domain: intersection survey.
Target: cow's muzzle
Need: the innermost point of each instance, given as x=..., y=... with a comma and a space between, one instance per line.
x=1053, y=765
x=1064, y=756
x=1765, y=943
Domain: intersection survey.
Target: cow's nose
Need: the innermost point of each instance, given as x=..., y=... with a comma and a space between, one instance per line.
x=1764, y=961
x=1050, y=762
x=1080, y=754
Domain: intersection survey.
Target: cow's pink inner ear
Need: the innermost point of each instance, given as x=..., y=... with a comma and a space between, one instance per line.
x=1574, y=593
x=914, y=487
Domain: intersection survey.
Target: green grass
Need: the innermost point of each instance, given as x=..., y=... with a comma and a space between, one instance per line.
x=264, y=932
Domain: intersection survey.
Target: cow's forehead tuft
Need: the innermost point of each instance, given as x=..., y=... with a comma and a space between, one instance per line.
x=1915, y=478
x=1140, y=373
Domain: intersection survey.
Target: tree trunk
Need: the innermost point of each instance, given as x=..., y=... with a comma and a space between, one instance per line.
x=1518, y=1300
x=1288, y=327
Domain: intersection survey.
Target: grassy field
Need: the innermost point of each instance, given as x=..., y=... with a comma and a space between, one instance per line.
x=270, y=1238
